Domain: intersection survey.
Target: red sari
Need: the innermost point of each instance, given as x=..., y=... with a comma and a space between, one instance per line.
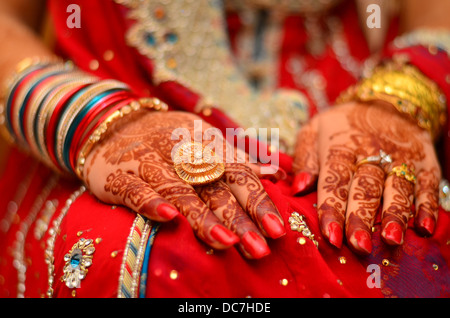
x=44, y=218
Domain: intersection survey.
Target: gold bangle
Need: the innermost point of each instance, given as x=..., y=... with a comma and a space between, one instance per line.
x=408, y=90
x=100, y=132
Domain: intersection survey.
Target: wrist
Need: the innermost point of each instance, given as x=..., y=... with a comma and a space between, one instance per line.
x=52, y=109
x=106, y=124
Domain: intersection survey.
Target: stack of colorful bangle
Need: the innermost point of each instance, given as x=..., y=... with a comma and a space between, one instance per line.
x=53, y=109
x=99, y=131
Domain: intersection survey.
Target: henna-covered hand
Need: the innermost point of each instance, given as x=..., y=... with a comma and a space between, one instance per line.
x=350, y=195
x=133, y=167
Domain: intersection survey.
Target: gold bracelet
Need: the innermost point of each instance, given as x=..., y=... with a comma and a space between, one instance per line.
x=100, y=132
x=408, y=90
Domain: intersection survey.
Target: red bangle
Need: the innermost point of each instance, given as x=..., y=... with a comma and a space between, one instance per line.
x=54, y=119
x=93, y=113
x=111, y=110
x=36, y=90
x=18, y=88
x=80, y=131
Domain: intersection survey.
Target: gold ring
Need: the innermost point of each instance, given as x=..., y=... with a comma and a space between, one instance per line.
x=197, y=164
x=381, y=160
x=403, y=171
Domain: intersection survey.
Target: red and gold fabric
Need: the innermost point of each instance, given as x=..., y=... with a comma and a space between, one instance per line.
x=58, y=240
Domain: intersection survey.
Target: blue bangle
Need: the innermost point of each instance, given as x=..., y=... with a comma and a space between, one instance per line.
x=8, y=105
x=68, y=140
x=65, y=108
x=27, y=97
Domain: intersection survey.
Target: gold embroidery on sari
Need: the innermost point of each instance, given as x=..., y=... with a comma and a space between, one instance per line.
x=187, y=42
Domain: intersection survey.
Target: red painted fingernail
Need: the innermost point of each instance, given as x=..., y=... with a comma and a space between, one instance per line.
x=301, y=182
x=363, y=240
x=224, y=235
x=281, y=174
x=275, y=173
x=393, y=233
x=166, y=211
x=428, y=224
x=273, y=226
x=255, y=245
x=335, y=234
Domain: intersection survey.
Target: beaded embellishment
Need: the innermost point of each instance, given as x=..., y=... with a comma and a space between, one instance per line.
x=77, y=261
x=298, y=223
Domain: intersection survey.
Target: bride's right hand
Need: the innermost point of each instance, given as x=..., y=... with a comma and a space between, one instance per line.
x=133, y=167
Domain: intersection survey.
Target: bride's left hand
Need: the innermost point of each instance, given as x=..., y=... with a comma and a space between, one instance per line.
x=349, y=195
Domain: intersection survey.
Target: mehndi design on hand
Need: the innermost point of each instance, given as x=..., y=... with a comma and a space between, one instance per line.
x=349, y=195
x=136, y=163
